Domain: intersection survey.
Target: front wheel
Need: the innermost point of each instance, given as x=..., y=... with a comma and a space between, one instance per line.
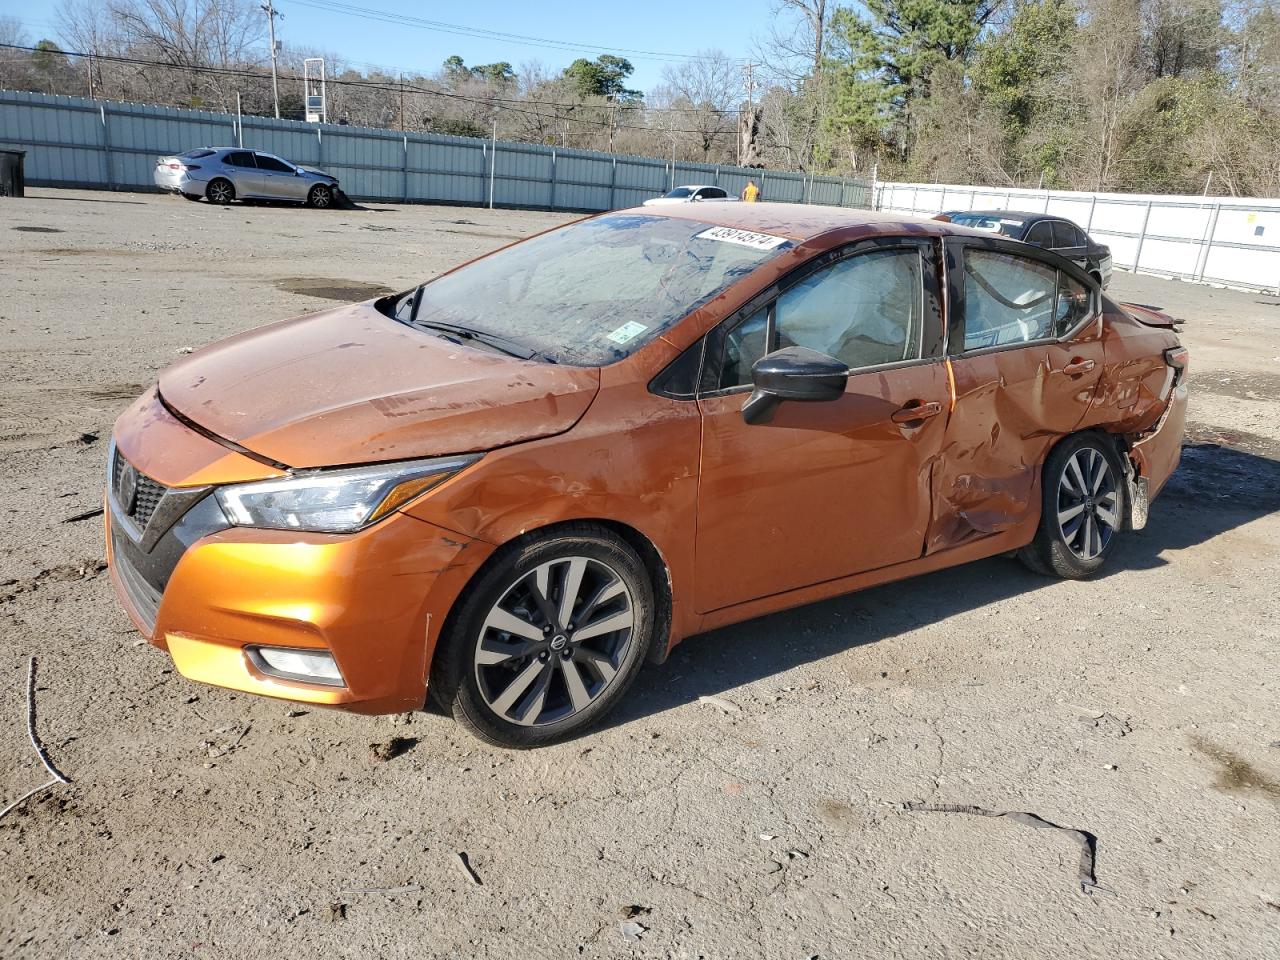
x=1083, y=508
x=548, y=639
x=320, y=197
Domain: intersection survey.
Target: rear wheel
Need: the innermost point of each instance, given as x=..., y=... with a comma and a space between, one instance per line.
x=1083, y=508
x=320, y=197
x=548, y=640
x=220, y=191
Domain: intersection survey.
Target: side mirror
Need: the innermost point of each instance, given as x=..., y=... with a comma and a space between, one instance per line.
x=793, y=373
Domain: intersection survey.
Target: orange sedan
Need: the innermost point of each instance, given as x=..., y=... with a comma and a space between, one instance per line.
x=514, y=484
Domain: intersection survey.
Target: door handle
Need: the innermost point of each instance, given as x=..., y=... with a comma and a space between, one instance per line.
x=915, y=411
x=1077, y=367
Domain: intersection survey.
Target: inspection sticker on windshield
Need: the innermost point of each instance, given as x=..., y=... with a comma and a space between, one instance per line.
x=627, y=332
x=744, y=238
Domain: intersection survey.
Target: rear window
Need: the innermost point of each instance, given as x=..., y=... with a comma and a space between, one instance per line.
x=195, y=154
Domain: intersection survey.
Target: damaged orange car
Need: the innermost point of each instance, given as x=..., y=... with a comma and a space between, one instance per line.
x=511, y=486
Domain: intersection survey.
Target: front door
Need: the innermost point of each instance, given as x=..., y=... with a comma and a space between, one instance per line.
x=1025, y=339
x=279, y=180
x=828, y=489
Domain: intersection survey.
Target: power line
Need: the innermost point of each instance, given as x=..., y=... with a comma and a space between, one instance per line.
x=438, y=26
x=385, y=87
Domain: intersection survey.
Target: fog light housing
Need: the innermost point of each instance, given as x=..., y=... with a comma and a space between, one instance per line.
x=287, y=663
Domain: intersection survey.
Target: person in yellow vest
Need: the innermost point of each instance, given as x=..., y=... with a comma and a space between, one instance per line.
x=751, y=193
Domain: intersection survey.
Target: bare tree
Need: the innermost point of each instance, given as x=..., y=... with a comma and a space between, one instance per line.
x=701, y=93
x=1107, y=72
x=795, y=42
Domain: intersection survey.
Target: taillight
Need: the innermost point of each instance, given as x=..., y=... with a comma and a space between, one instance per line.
x=1178, y=358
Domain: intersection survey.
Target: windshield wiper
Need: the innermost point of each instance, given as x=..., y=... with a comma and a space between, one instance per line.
x=513, y=348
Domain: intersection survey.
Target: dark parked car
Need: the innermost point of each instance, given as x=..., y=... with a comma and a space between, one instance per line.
x=1044, y=230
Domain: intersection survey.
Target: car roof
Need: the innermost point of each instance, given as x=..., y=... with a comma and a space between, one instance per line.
x=694, y=186
x=802, y=221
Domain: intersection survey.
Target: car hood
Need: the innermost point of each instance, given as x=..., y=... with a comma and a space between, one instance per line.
x=316, y=174
x=351, y=385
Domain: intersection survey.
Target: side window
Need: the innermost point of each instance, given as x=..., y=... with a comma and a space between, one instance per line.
x=240, y=159
x=742, y=348
x=1007, y=299
x=865, y=310
x=1041, y=234
x=713, y=193
x=1074, y=304
x=1066, y=235
x=266, y=162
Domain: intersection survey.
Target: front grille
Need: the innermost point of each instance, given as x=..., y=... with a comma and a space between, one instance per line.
x=140, y=503
x=142, y=594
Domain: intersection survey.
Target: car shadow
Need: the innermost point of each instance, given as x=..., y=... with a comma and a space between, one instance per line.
x=1216, y=489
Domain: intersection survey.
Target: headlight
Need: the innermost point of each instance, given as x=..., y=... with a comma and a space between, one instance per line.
x=335, y=501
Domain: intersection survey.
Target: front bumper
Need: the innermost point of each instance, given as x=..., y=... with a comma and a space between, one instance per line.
x=206, y=591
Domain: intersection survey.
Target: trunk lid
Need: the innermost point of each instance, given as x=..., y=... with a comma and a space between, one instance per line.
x=1149, y=316
x=351, y=385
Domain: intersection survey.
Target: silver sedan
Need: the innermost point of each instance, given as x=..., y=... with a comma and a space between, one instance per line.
x=223, y=174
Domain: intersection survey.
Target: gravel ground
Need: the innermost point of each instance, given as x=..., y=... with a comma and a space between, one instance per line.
x=747, y=801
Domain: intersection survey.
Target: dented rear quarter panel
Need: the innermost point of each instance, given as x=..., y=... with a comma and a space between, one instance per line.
x=1136, y=381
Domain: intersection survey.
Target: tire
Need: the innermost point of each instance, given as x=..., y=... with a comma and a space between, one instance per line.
x=320, y=197
x=1083, y=508
x=514, y=665
x=220, y=191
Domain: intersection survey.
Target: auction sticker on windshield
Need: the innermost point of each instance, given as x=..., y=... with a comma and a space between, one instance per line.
x=627, y=332
x=745, y=238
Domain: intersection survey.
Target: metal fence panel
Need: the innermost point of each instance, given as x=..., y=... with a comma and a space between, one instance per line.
x=1233, y=241
x=72, y=141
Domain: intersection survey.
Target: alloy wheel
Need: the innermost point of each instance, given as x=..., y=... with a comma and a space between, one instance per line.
x=554, y=641
x=320, y=197
x=221, y=192
x=1088, y=503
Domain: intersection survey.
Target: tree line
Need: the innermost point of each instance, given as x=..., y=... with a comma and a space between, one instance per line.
x=1161, y=96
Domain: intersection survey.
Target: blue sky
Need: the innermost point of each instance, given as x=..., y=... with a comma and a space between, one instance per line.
x=660, y=26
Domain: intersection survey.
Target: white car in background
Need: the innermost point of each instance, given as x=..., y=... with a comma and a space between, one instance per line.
x=690, y=194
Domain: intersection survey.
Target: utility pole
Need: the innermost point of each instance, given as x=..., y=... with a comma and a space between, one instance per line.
x=271, y=31
x=747, y=124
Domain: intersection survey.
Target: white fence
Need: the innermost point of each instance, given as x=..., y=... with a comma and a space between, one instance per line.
x=1230, y=241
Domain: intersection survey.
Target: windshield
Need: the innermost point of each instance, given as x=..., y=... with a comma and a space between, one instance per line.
x=593, y=292
x=989, y=221
x=679, y=193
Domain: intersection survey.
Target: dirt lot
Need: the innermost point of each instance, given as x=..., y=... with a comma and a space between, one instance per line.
x=1143, y=706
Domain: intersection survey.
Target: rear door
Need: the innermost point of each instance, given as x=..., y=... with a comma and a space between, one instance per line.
x=824, y=490
x=243, y=171
x=1024, y=336
x=280, y=180
x=1070, y=242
